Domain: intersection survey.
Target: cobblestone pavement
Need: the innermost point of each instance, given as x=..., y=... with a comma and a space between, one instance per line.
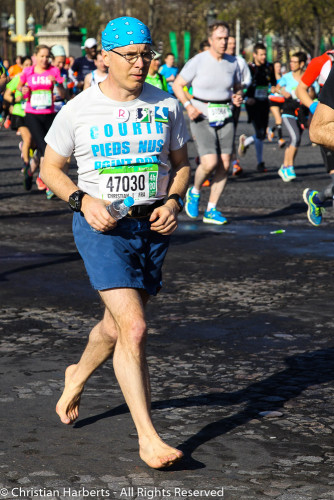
x=240, y=350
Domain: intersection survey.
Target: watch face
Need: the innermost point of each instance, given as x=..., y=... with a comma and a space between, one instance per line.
x=74, y=201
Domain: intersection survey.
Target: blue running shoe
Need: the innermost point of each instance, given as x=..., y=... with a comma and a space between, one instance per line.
x=287, y=174
x=213, y=216
x=291, y=173
x=315, y=211
x=192, y=202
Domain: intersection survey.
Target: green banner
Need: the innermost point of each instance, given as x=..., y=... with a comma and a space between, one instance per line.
x=83, y=32
x=173, y=44
x=186, y=45
x=269, y=44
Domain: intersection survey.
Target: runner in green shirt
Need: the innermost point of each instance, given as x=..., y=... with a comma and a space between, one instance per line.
x=153, y=77
x=18, y=112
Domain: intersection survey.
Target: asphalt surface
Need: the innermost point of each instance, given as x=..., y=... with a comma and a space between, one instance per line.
x=240, y=349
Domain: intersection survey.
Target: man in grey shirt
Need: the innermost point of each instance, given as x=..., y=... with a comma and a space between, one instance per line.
x=216, y=81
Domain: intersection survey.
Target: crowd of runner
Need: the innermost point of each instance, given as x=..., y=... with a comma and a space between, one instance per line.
x=212, y=88
x=123, y=131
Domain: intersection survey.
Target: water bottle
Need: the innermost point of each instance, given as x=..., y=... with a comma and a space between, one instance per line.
x=119, y=208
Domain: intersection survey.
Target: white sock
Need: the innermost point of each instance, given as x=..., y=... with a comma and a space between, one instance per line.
x=210, y=206
x=194, y=190
x=248, y=141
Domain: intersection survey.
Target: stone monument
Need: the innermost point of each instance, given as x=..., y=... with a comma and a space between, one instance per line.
x=61, y=29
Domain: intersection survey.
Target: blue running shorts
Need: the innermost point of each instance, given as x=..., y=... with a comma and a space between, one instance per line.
x=129, y=256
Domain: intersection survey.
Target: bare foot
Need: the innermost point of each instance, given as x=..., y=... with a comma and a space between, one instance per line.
x=68, y=404
x=158, y=454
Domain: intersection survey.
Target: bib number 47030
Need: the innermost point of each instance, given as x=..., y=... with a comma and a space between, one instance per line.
x=126, y=183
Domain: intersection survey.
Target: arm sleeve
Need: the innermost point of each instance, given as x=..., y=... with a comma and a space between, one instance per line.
x=179, y=133
x=164, y=84
x=313, y=70
x=326, y=94
x=188, y=72
x=61, y=134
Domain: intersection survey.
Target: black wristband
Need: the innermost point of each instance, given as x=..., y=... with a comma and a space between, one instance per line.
x=178, y=199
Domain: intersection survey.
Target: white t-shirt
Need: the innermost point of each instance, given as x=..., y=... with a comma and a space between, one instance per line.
x=210, y=79
x=109, y=136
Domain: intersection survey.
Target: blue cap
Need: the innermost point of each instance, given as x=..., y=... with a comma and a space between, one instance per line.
x=124, y=31
x=129, y=201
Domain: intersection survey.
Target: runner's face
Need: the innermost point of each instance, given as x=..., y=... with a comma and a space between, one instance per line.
x=278, y=67
x=218, y=41
x=125, y=75
x=99, y=63
x=231, y=46
x=170, y=61
x=295, y=65
x=27, y=63
x=155, y=65
x=260, y=56
x=91, y=52
x=42, y=58
x=59, y=62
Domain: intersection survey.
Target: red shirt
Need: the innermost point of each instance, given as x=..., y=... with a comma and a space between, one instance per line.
x=319, y=67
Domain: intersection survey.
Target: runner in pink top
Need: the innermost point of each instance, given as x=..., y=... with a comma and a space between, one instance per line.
x=37, y=83
x=40, y=89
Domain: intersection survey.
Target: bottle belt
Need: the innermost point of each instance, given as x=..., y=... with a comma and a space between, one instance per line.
x=228, y=101
x=144, y=210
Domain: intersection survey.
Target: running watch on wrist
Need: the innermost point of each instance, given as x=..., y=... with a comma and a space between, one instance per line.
x=178, y=200
x=75, y=200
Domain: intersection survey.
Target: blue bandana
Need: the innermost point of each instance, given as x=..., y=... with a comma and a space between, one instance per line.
x=124, y=31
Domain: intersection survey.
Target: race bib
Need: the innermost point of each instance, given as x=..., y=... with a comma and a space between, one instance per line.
x=41, y=99
x=138, y=181
x=218, y=113
x=261, y=93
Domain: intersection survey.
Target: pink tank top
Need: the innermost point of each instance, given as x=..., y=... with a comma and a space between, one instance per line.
x=40, y=100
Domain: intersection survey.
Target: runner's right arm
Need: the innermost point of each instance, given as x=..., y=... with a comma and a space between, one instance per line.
x=303, y=95
x=93, y=209
x=322, y=124
x=309, y=77
x=178, y=85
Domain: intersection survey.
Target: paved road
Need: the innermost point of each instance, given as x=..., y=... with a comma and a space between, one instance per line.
x=240, y=350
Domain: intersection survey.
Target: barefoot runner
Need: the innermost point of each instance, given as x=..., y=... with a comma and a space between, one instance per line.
x=121, y=128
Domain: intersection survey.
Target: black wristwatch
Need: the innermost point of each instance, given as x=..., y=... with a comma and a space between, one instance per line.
x=178, y=200
x=75, y=200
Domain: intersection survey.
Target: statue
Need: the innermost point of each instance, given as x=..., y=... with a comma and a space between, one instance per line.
x=62, y=15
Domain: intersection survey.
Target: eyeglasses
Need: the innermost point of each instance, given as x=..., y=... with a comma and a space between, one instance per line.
x=132, y=58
